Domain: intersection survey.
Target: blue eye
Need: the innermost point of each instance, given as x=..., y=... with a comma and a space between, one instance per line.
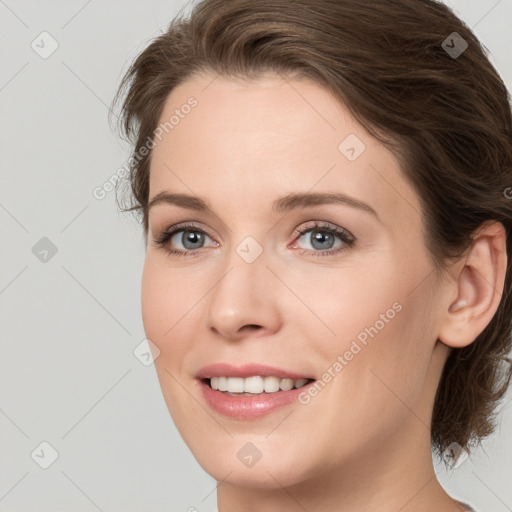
x=191, y=238
x=322, y=238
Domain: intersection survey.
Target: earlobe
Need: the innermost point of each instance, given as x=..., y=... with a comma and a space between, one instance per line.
x=478, y=288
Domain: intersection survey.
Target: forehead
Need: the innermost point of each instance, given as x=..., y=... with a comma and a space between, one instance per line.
x=266, y=137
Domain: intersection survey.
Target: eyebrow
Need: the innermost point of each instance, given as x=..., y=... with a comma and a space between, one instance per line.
x=292, y=201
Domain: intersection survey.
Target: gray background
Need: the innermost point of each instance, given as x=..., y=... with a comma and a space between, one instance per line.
x=69, y=325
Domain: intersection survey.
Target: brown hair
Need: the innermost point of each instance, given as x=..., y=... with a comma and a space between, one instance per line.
x=447, y=118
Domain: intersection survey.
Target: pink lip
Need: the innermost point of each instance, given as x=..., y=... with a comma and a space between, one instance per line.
x=247, y=407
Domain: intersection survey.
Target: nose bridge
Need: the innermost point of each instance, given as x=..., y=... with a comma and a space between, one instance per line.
x=242, y=294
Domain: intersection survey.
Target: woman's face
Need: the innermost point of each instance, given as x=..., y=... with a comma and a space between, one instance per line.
x=350, y=303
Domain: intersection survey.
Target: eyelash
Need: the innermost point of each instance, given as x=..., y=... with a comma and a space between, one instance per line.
x=348, y=240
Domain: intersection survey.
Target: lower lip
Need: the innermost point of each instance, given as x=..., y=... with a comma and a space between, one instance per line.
x=249, y=407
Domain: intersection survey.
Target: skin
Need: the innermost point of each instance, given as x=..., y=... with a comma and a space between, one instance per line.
x=363, y=443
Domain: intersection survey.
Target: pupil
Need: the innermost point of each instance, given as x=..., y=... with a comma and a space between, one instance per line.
x=322, y=237
x=191, y=237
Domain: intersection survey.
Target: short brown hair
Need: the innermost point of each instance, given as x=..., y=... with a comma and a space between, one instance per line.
x=447, y=118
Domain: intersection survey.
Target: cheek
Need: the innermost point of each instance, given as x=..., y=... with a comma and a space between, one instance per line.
x=390, y=371
x=354, y=303
x=165, y=301
x=155, y=318
x=164, y=304
x=382, y=334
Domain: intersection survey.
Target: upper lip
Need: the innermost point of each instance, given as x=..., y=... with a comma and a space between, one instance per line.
x=246, y=370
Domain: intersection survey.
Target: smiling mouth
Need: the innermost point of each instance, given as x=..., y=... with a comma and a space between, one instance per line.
x=254, y=385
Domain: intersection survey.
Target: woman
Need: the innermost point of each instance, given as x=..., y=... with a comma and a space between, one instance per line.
x=323, y=191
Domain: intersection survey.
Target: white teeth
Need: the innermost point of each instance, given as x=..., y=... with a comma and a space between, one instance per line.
x=271, y=384
x=300, y=382
x=251, y=385
x=255, y=385
x=222, y=384
x=236, y=385
x=286, y=384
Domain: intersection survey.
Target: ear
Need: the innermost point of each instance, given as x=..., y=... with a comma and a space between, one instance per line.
x=475, y=294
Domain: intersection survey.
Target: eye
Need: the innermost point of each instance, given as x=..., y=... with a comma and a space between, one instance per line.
x=322, y=237
x=189, y=236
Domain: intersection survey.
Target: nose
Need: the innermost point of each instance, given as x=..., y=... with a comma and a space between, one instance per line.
x=243, y=302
